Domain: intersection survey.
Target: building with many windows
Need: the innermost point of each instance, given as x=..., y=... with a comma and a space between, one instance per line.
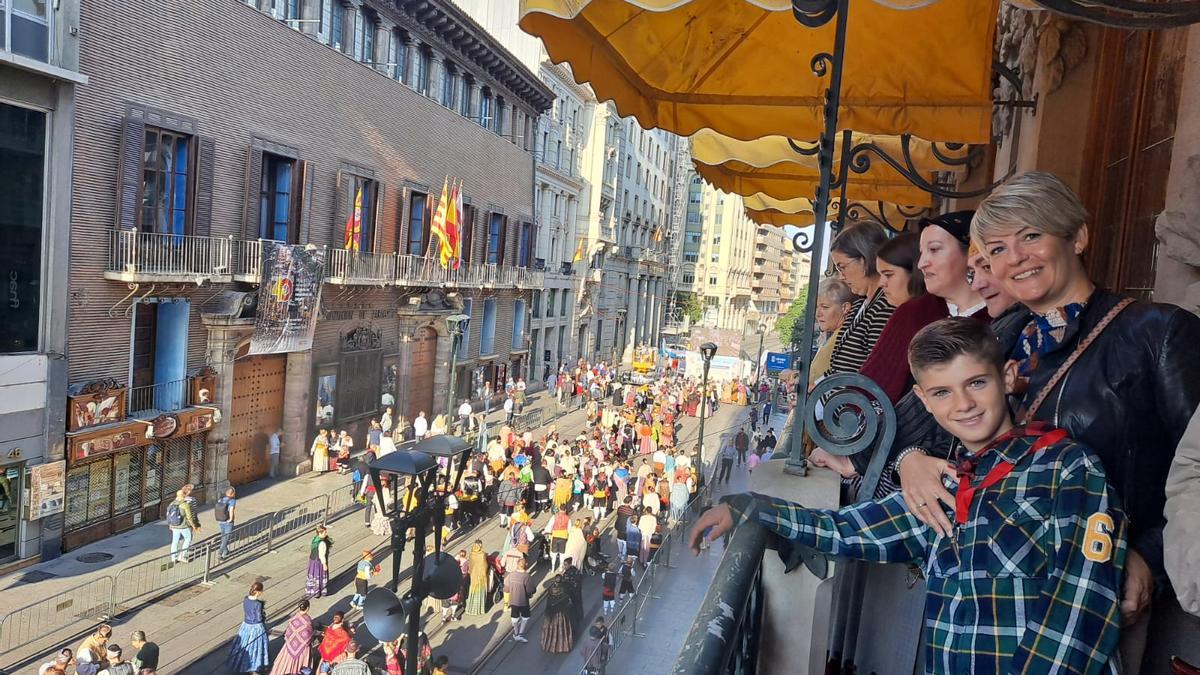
x=312, y=122
x=39, y=80
x=719, y=244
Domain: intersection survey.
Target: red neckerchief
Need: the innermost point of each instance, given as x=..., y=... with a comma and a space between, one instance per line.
x=965, y=467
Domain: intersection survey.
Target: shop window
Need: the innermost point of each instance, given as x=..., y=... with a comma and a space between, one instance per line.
x=22, y=187
x=127, y=486
x=326, y=398
x=11, y=484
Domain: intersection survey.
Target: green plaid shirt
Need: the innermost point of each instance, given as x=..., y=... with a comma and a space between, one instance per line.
x=1030, y=584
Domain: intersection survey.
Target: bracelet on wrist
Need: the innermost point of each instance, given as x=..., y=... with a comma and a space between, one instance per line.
x=906, y=452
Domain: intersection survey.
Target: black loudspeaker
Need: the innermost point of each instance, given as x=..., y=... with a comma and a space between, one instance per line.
x=385, y=614
x=442, y=575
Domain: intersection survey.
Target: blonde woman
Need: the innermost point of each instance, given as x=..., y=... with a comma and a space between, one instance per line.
x=320, y=451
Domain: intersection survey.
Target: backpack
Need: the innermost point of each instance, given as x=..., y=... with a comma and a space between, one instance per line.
x=221, y=512
x=174, y=515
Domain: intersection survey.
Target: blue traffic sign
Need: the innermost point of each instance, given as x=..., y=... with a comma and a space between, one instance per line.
x=778, y=361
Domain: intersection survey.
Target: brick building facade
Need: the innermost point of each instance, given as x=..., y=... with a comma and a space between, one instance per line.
x=246, y=126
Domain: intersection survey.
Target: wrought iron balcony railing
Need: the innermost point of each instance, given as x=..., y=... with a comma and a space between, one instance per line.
x=359, y=268
x=151, y=399
x=136, y=256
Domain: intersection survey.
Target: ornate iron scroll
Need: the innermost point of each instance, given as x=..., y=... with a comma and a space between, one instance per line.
x=857, y=416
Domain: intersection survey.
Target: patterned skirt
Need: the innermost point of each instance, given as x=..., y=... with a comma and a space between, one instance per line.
x=557, y=637
x=250, y=651
x=318, y=577
x=477, y=600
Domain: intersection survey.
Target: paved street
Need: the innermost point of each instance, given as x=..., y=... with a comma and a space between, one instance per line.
x=193, y=623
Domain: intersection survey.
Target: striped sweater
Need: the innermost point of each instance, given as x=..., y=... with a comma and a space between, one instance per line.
x=859, y=334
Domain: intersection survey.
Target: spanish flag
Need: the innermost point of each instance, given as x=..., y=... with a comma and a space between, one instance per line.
x=578, y=252
x=353, y=237
x=448, y=253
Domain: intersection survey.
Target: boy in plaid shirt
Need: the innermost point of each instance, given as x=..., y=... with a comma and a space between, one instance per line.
x=1029, y=581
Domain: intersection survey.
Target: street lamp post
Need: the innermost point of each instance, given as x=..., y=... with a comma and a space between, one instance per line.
x=758, y=365
x=421, y=508
x=707, y=351
x=455, y=325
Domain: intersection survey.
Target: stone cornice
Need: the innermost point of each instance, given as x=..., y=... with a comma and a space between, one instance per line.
x=465, y=40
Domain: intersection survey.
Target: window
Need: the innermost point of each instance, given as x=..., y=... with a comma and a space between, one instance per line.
x=22, y=188
x=467, y=236
x=464, y=342
x=418, y=224
x=485, y=109
x=487, y=338
x=691, y=257
x=518, y=333
x=495, y=243
x=524, y=245
x=712, y=280
x=464, y=97
x=360, y=197
x=716, y=257
x=166, y=182
x=689, y=278
x=449, y=84
x=278, y=211
x=30, y=28
x=565, y=298
x=366, y=25
x=550, y=302
x=421, y=77
x=537, y=304
x=501, y=110
x=338, y=30
x=399, y=55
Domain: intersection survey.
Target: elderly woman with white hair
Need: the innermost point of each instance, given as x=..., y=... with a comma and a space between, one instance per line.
x=835, y=300
x=1120, y=376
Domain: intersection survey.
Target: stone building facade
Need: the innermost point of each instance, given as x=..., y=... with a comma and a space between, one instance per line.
x=248, y=126
x=39, y=77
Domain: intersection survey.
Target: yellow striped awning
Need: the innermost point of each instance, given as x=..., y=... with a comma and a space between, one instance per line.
x=800, y=212
x=773, y=167
x=743, y=67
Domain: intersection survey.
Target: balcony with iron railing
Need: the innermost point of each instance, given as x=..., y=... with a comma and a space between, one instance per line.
x=344, y=267
x=135, y=256
x=151, y=400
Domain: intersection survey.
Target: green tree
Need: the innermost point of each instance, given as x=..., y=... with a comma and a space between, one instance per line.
x=793, y=320
x=691, y=307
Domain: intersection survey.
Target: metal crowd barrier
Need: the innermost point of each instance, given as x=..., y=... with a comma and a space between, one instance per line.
x=76, y=610
x=80, y=609
x=623, y=623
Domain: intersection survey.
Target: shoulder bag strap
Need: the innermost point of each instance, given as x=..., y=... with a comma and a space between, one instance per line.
x=1079, y=349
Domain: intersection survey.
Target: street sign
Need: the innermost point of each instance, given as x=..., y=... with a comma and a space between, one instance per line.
x=778, y=361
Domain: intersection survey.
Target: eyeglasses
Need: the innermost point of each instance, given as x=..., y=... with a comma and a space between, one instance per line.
x=841, y=267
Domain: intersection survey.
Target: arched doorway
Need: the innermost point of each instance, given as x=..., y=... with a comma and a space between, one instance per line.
x=419, y=380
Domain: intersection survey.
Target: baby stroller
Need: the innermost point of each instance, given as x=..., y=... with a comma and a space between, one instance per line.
x=594, y=561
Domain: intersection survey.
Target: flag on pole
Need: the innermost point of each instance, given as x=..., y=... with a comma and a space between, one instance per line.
x=578, y=252
x=449, y=254
x=438, y=227
x=353, y=237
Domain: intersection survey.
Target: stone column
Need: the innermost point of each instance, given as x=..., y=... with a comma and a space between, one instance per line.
x=630, y=320
x=297, y=412
x=643, y=308
x=475, y=97
x=224, y=336
x=441, y=372
x=383, y=46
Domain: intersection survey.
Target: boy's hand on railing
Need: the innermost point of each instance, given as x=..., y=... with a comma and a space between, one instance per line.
x=711, y=525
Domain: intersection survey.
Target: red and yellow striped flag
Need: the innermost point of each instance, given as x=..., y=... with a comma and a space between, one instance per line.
x=352, y=241
x=438, y=228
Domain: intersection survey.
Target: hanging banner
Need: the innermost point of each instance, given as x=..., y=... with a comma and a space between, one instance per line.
x=288, y=297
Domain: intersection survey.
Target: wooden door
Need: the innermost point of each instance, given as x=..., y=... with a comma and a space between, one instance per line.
x=419, y=380
x=1130, y=141
x=257, y=410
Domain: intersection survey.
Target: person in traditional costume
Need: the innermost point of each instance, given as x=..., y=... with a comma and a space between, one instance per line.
x=297, y=650
x=318, y=563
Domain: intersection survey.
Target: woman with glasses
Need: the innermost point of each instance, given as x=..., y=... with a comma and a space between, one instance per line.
x=854, y=254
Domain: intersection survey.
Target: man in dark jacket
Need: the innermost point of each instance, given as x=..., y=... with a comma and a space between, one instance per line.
x=741, y=443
